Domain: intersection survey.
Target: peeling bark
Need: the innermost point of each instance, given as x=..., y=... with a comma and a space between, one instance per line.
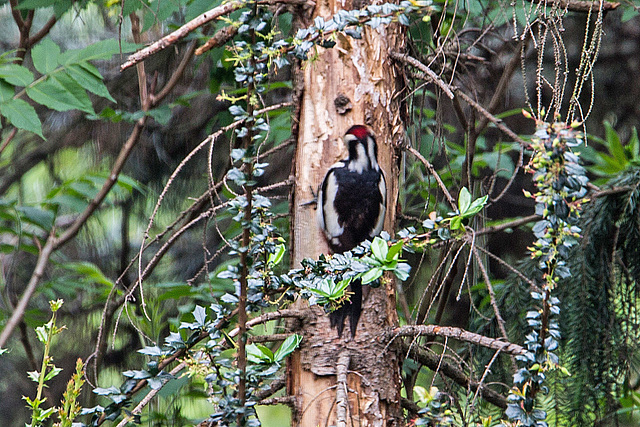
x=355, y=82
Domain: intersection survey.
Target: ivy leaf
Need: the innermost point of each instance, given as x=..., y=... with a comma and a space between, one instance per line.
x=200, y=315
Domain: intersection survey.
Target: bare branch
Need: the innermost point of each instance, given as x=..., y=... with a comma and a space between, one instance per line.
x=511, y=224
x=275, y=386
x=266, y=317
x=434, y=362
x=182, y=32
x=457, y=333
x=580, y=5
x=218, y=39
x=43, y=31
x=422, y=67
x=433, y=172
x=341, y=391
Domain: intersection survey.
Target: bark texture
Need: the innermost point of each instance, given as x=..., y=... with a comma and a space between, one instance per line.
x=355, y=82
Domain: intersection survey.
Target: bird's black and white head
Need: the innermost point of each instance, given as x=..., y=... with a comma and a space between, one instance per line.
x=363, y=150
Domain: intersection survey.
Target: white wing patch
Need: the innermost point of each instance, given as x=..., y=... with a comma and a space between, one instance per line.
x=382, y=186
x=327, y=215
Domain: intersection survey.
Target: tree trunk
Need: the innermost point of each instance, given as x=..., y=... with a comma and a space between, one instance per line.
x=355, y=82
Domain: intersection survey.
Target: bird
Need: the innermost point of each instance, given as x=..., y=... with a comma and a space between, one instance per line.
x=351, y=209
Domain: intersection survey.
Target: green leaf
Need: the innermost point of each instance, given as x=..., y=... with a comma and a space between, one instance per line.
x=288, y=346
x=6, y=91
x=33, y=376
x=36, y=216
x=16, y=74
x=77, y=92
x=476, y=206
x=456, y=223
x=89, y=271
x=394, y=250
x=257, y=353
x=161, y=114
x=52, y=374
x=464, y=200
x=133, y=5
x=104, y=49
x=61, y=6
x=634, y=144
x=274, y=258
x=34, y=4
x=614, y=145
x=51, y=93
x=45, y=56
x=379, y=249
x=22, y=115
x=89, y=81
x=371, y=275
x=42, y=334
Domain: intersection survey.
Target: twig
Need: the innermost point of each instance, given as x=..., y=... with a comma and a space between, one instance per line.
x=145, y=401
x=342, y=366
x=457, y=333
x=422, y=67
x=494, y=302
x=432, y=361
x=507, y=265
x=181, y=32
x=274, y=387
x=8, y=140
x=511, y=224
x=579, y=5
x=493, y=119
x=268, y=338
x=266, y=317
x=433, y=172
x=218, y=39
x=282, y=400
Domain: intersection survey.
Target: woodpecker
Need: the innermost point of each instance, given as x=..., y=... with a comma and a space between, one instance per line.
x=351, y=209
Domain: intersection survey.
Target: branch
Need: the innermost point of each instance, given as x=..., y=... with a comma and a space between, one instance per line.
x=456, y=333
x=218, y=39
x=433, y=172
x=451, y=90
x=274, y=387
x=272, y=315
x=181, y=32
x=43, y=31
x=145, y=401
x=341, y=391
x=493, y=119
x=434, y=362
x=511, y=224
x=422, y=67
x=579, y=5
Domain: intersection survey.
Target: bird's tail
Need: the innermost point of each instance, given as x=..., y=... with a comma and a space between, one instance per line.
x=351, y=309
